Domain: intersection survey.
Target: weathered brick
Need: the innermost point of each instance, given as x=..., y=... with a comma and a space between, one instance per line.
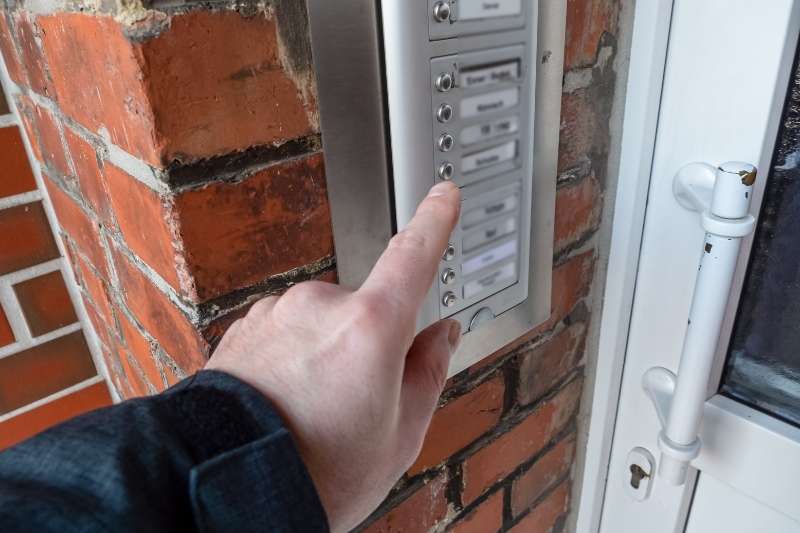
x=17, y=175
x=578, y=207
x=143, y=218
x=45, y=303
x=140, y=349
x=460, y=422
x=136, y=382
x=80, y=228
x=90, y=176
x=220, y=82
x=488, y=516
x=97, y=290
x=26, y=114
x=544, y=517
x=103, y=330
x=545, y=365
x=497, y=460
x=9, y=50
x=31, y=422
x=578, y=127
x=82, y=49
x=31, y=54
x=159, y=316
x=210, y=83
x=551, y=467
x=587, y=21
x=422, y=511
x=6, y=335
x=274, y=221
x=38, y=372
x=25, y=237
x=50, y=144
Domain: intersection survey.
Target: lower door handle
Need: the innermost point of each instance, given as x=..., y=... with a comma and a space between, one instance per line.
x=722, y=196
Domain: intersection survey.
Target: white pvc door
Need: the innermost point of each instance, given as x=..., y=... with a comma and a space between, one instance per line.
x=729, y=64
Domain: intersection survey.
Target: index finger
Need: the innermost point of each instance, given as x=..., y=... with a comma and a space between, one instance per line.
x=405, y=271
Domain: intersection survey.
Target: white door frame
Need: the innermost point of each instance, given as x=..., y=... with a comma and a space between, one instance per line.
x=649, y=42
x=649, y=46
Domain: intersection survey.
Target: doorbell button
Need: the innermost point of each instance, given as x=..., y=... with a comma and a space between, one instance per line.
x=448, y=276
x=449, y=299
x=449, y=252
x=446, y=170
x=444, y=113
x=445, y=82
x=441, y=11
x=446, y=142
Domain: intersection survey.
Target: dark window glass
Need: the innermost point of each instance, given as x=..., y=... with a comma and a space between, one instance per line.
x=763, y=368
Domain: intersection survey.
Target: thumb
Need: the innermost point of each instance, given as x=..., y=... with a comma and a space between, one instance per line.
x=425, y=375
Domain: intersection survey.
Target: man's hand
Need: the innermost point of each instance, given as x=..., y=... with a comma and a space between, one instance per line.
x=346, y=372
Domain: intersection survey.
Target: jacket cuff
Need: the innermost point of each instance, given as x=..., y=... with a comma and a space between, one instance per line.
x=247, y=470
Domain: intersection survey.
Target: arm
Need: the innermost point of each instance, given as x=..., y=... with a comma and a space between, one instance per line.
x=347, y=372
x=173, y=462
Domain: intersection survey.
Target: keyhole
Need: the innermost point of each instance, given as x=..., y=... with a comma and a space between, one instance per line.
x=637, y=475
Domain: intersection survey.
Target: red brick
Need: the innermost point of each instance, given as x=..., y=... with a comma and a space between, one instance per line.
x=25, y=108
x=578, y=209
x=212, y=82
x=9, y=50
x=25, y=237
x=6, y=335
x=142, y=216
x=81, y=229
x=546, y=515
x=545, y=365
x=97, y=290
x=17, y=176
x=82, y=49
x=31, y=53
x=551, y=467
x=587, y=20
x=272, y=222
x=50, y=143
x=45, y=303
x=31, y=422
x=172, y=377
x=159, y=316
x=101, y=328
x=219, y=85
x=579, y=124
x=38, y=372
x=140, y=349
x=497, y=460
x=422, y=511
x=90, y=175
x=488, y=516
x=138, y=385
x=460, y=422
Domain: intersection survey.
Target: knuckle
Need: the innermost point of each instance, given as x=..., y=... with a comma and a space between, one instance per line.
x=261, y=308
x=408, y=239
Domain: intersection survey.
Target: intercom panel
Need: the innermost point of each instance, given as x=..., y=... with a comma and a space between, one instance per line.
x=414, y=92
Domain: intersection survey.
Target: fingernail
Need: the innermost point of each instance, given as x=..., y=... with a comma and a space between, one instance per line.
x=440, y=189
x=454, y=335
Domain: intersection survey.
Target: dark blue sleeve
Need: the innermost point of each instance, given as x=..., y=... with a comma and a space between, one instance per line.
x=209, y=454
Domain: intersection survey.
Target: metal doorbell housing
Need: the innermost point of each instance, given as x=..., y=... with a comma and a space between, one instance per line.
x=413, y=92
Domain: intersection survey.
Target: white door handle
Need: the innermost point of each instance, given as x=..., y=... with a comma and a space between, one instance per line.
x=722, y=195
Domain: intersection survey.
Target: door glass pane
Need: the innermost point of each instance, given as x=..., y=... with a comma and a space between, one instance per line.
x=763, y=367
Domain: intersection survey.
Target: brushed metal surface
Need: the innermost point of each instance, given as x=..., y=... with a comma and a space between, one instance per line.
x=363, y=163
x=347, y=60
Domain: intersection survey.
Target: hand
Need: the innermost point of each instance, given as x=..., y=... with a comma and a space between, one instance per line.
x=344, y=369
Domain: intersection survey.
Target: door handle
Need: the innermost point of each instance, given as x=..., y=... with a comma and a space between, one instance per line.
x=722, y=196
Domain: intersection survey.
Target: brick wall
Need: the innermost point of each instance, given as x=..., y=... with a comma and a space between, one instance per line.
x=182, y=152
x=46, y=369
